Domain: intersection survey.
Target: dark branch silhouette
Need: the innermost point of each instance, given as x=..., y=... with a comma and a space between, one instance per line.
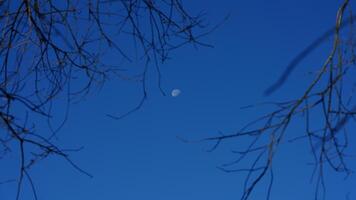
x=56, y=52
x=327, y=107
x=303, y=54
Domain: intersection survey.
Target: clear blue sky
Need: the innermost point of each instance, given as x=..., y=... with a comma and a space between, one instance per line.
x=139, y=157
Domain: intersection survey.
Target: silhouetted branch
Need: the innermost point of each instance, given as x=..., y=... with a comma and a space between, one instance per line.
x=55, y=50
x=328, y=96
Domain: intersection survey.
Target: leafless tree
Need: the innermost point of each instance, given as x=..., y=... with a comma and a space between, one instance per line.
x=327, y=107
x=57, y=51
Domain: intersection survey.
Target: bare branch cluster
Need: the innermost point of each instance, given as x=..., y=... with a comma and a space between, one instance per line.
x=327, y=107
x=59, y=50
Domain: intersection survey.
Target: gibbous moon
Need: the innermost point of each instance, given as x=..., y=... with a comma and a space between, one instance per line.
x=176, y=92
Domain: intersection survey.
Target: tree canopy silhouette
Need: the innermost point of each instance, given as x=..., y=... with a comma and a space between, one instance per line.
x=327, y=107
x=55, y=52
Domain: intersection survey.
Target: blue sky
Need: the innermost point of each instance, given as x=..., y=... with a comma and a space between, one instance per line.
x=140, y=157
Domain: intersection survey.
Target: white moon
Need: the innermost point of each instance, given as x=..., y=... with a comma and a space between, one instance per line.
x=176, y=92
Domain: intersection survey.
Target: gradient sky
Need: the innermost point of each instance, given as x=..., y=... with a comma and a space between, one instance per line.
x=139, y=157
